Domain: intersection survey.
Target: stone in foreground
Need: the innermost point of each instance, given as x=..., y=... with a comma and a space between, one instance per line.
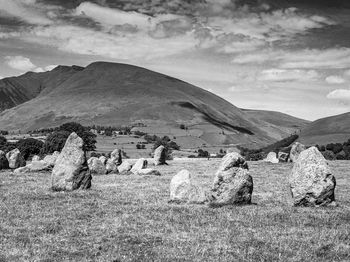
x=159, y=156
x=272, y=158
x=311, y=181
x=69, y=165
x=232, y=184
x=295, y=151
x=124, y=168
x=4, y=163
x=96, y=166
x=15, y=159
x=182, y=190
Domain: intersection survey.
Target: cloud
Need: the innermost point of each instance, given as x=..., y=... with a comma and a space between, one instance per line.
x=20, y=63
x=339, y=94
x=25, y=10
x=335, y=80
x=282, y=75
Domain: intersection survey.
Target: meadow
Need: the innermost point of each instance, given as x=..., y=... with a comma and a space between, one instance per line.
x=128, y=218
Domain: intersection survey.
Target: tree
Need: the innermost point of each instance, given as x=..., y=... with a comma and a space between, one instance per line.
x=55, y=142
x=88, y=137
x=29, y=146
x=3, y=141
x=202, y=153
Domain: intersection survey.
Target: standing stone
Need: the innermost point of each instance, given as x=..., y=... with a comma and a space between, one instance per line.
x=283, y=157
x=297, y=148
x=96, y=166
x=116, y=155
x=140, y=164
x=160, y=156
x=4, y=163
x=103, y=159
x=69, y=165
x=111, y=166
x=182, y=189
x=311, y=181
x=124, y=168
x=272, y=158
x=15, y=159
x=232, y=184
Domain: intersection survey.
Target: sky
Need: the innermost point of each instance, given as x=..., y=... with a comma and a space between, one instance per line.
x=291, y=56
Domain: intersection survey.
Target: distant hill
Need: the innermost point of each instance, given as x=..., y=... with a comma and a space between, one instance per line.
x=327, y=130
x=113, y=94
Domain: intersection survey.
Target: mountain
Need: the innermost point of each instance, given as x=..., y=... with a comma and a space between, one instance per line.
x=327, y=130
x=113, y=94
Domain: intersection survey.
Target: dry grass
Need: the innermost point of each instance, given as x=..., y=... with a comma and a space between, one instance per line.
x=129, y=219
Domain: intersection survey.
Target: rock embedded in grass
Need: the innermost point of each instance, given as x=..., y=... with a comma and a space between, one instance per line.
x=15, y=159
x=141, y=163
x=96, y=166
x=160, y=156
x=283, y=156
x=70, y=171
x=183, y=190
x=311, y=180
x=232, y=184
x=272, y=158
x=35, y=158
x=295, y=151
x=34, y=166
x=51, y=159
x=4, y=163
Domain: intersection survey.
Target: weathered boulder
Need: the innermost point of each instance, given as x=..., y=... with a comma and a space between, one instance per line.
x=103, y=159
x=111, y=166
x=36, y=158
x=15, y=159
x=311, y=180
x=124, y=168
x=295, y=151
x=34, y=166
x=96, y=166
x=272, y=158
x=160, y=156
x=183, y=190
x=69, y=165
x=140, y=164
x=283, y=157
x=232, y=184
x=116, y=155
x=148, y=172
x=4, y=163
x=51, y=159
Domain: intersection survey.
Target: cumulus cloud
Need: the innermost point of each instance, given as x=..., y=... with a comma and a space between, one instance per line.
x=281, y=75
x=335, y=80
x=25, y=10
x=20, y=63
x=339, y=94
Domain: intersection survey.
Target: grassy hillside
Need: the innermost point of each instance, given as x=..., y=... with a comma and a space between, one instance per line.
x=128, y=218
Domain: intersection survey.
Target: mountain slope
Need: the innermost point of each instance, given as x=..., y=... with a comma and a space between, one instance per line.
x=118, y=94
x=327, y=130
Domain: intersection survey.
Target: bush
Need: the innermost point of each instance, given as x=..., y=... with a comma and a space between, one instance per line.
x=202, y=153
x=88, y=137
x=55, y=142
x=3, y=141
x=329, y=155
x=29, y=147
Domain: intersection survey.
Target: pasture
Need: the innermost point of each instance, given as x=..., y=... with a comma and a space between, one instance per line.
x=128, y=218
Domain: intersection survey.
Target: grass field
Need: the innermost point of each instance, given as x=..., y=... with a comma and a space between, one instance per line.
x=128, y=218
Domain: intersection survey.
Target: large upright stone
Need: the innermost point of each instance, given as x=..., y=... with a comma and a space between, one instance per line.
x=232, y=184
x=4, y=163
x=69, y=165
x=160, y=156
x=116, y=155
x=183, y=190
x=15, y=159
x=295, y=151
x=272, y=158
x=311, y=180
x=96, y=166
